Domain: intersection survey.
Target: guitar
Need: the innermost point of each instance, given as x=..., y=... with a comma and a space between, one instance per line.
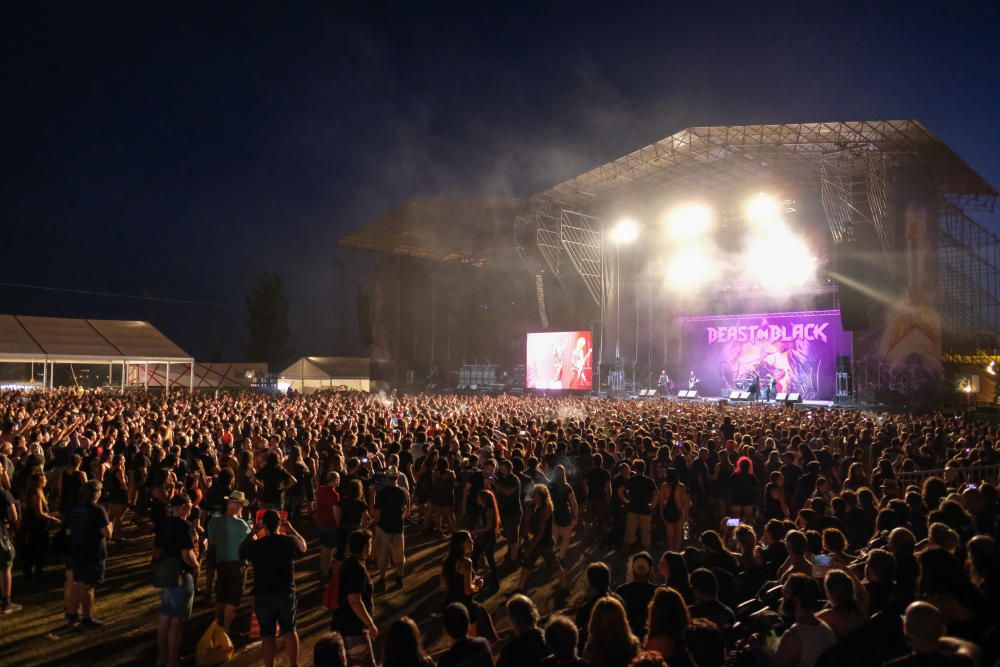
x=579, y=365
x=693, y=382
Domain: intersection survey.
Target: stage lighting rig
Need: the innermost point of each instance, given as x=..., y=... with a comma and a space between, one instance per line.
x=763, y=210
x=625, y=231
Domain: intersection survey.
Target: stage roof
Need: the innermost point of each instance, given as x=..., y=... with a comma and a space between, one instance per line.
x=29, y=338
x=447, y=229
x=324, y=368
x=721, y=159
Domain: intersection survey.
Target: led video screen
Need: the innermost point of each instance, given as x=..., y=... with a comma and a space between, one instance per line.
x=559, y=360
x=797, y=350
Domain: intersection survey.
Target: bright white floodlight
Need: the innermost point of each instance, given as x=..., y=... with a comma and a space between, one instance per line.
x=763, y=210
x=625, y=232
x=688, y=221
x=689, y=268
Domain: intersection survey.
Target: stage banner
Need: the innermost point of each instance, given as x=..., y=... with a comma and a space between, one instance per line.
x=559, y=360
x=798, y=350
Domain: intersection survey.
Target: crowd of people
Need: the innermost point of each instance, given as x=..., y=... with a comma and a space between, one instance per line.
x=711, y=534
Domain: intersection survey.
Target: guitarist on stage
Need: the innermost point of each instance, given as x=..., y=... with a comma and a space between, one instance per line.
x=693, y=381
x=581, y=360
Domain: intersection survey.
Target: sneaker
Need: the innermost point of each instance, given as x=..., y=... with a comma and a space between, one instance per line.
x=92, y=623
x=10, y=608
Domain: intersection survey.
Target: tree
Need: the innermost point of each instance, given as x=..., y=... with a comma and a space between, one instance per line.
x=267, y=321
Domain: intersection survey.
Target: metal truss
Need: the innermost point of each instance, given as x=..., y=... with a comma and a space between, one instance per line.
x=712, y=160
x=969, y=278
x=855, y=191
x=583, y=241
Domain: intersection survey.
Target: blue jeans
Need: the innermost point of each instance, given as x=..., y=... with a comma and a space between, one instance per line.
x=176, y=601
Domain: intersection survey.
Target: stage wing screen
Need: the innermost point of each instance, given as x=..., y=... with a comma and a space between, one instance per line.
x=559, y=360
x=799, y=350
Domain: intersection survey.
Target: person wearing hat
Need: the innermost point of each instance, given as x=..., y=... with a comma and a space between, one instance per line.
x=225, y=533
x=176, y=539
x=392, y=506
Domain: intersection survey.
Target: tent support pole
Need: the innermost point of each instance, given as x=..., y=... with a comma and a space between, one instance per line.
x=124, y=373
x=167, y=380
x=191, y=380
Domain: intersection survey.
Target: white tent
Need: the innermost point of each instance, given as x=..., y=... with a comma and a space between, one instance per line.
x=310, y=374
x=60, y=340
x=222, y=375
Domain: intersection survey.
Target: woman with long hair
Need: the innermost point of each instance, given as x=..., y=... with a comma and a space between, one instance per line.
x=610, y=642
x=536, y=532
x=743, y=490
x=403, y=647
x=847, y=606
x=486, y=535
x=673, y=503
x=674, y=572
x=665, y=625
x=716, y=553
x=460, y=583
x=775, y=503
x=115, y=494
x=35, y=526
x=352, y=513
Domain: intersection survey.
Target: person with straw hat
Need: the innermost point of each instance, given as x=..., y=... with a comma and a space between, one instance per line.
x=225, y=533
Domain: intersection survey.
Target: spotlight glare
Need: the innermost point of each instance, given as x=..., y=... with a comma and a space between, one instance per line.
x=689, y=268
x=991, y=368
x=763, y=210
x=779, y=260
x=689, y=220
x=625, y=232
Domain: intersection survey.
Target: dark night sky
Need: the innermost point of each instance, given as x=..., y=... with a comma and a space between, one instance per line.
x=178, y=152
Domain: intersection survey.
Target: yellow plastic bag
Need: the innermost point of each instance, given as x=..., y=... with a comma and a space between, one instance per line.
x=214, y=648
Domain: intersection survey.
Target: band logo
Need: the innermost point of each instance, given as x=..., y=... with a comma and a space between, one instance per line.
x=772, y=333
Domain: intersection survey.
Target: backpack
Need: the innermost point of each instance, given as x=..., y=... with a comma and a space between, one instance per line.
x=331, y=593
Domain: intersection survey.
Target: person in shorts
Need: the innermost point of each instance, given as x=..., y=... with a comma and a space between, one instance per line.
x=8, y=519
x=225, y=534
x=392, y=506
x=89, y=530
x=176, y=539
x=272, y=548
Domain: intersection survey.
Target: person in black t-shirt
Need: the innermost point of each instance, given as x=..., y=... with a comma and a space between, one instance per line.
x=274, y=480
x=637, y=592
x=640, y=491
x=597, y=490
x=354, y=617
x=273, y=559
x=89, y=530
x=705, y=586
x=508, y=494
x=8, y=519
x=392, y=506
x=465, y=651
x=176, y=540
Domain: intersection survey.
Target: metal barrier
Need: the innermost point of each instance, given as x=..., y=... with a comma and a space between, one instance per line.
x=969, y=474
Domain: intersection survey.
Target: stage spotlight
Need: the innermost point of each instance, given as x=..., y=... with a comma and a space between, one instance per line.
x=689, y=268
x=763, y=210
x=779, y=260
x=625, y=232
x=688, y=220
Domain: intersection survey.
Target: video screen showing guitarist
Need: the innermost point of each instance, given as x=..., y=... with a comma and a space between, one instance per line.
x=580, y=377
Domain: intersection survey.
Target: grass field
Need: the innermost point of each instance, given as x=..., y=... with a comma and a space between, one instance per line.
x=37, y=635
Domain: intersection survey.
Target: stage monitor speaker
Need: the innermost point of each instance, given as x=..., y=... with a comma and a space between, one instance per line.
x=693, y=393
x=744, y=395
x=794, y=397
x=734, y=395
x=781, y=396
x=683, y=393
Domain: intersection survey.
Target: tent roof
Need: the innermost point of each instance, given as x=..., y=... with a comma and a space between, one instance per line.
x=313, y=368
x=25, y=338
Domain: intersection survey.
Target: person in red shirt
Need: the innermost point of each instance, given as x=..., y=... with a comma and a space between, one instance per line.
x=327, y=520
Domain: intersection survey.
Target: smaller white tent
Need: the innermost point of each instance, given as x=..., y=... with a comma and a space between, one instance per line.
x=310, y=374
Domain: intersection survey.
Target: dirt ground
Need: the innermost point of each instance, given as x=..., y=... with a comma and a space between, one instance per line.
x=37, y=635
